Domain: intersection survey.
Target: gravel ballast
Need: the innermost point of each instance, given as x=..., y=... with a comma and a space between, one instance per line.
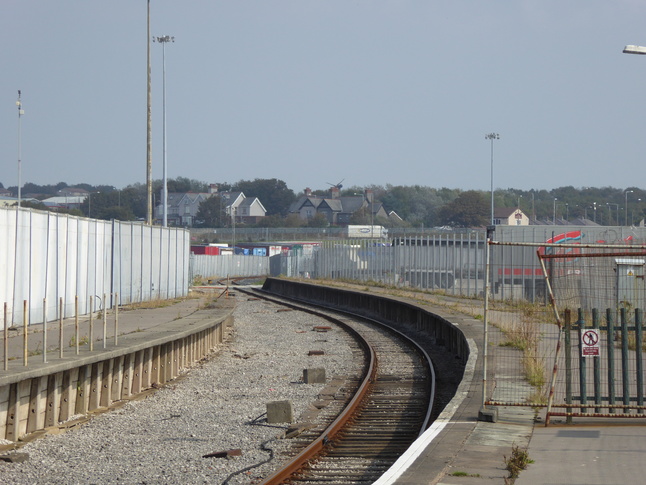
x=218, y=406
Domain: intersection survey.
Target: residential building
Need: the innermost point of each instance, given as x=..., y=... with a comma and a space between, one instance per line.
x=183, y=207
x=337, y=209
x=510, y=216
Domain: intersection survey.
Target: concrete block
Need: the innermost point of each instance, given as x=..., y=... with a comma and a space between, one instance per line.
x=280, y=412
x=488, y=415
x=314, y=376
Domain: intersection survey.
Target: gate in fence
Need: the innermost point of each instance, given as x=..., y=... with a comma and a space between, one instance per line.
x=579, y=351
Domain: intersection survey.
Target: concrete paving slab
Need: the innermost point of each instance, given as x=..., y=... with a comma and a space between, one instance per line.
x=590, y=455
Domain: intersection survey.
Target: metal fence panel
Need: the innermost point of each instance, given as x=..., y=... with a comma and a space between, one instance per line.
x=49, y=256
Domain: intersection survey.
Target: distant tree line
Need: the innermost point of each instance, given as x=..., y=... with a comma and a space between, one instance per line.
x=416, y=205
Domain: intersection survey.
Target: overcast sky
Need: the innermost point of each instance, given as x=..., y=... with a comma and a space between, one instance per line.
x=397, y=92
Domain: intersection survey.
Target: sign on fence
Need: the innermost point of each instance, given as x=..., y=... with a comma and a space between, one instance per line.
x=590, y=343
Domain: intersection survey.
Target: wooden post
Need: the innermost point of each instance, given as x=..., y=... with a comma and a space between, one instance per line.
x=91, y=324
x=116, y=319
x=76, y=322
x=105, y=322
x=60, y=327
x=45, y=330
x=25, y=337
x=6, y=338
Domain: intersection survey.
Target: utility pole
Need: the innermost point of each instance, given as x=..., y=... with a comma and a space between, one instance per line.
x=149, y=145
x=20, y=113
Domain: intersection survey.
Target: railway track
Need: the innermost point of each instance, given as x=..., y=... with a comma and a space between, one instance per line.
x=373, y=418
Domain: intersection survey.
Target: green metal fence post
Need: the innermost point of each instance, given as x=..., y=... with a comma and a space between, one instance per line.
x=610, y=346
x=568, y=361
x=583, y=388
x=625, y=383
x=638, y=358
x=596, y=364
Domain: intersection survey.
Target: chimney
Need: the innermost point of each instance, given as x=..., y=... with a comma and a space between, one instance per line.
x=369, y=195
x=213, y=189
x=334, y=192
x=308, y=192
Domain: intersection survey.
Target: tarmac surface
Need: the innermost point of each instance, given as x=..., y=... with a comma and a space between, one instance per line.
x=466, y=451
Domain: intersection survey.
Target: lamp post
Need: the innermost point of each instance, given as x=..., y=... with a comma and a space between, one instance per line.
x=492, y=137
x=595, y=212
x=163, y=41
x=610, y=204
x=20, y=113
x=554, y=213
x=149, y=145
x=626, y=206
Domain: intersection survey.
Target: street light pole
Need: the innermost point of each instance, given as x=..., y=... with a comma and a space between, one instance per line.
x=492, y=137
x=20, y=113
x=626, y=206
x=149, y=145
x=163, y=41
x=554, y=214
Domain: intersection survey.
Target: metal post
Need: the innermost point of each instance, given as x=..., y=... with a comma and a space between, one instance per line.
x=20, y=113
x=583, y=387
x=149, y=147
x=484, y=414
x=163, y=40
x=610, y=346
x=596, y=365
x=567, y=317
x=639, y=366
x=492, y=137
x=626, y=208
x=625, y=376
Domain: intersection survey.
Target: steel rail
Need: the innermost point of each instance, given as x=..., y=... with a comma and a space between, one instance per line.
x=318, y=446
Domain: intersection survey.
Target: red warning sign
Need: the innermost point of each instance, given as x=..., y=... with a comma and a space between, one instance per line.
x=590, y=343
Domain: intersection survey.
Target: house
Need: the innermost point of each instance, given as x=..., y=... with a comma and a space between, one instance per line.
x=510, y=216
x=337, y=209
x=183, y=207
x=250, y=211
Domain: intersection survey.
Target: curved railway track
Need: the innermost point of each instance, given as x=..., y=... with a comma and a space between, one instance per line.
x=373, y=419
